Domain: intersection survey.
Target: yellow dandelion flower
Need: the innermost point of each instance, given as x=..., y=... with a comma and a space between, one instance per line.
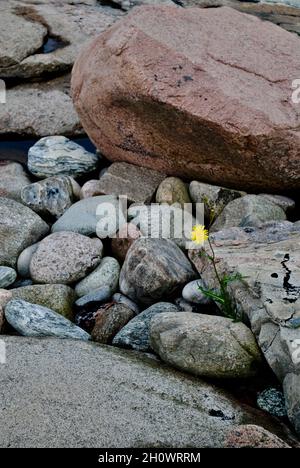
x=199, y=234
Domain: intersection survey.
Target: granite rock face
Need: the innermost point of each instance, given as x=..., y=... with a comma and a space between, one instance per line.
x=135, y=334
x=35, y=320
x=205, y=345
x=186, y=109
x=65, y=257
x=153, y=269
x=52, y=196
x=57, y=155
x=268, y=297
x=250, y=210
x=13, y=179
x=173, y=411
x=19, y=228
x=136, y=183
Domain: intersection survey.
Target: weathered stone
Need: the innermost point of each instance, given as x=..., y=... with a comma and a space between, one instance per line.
x=23, y=264
x=205, y=345
x=252, y=436
x=215, y=198
x=106, y=274
x=135, y=334
x=138, y=184
x=7, y=276
x=192, y=293
x=127, y=4
x=159, y=96
x=124, y=239
x=5, y=297
x=65, y=257
x=268, y=295
x=121, y=299
x=90, y=189
x=286, y=203
x=250, y=210
x=101, y=215
x=19, y=228
x=57, y=297
x=40, y=109
x=13, y=179
x=173, y=190
x=291, y=386
x=57, y=155
x=153, y=269
x=52, y=196
x=101, y=385
x=109, y=321
x=272, y=401
x=35, y=320
x=94, y=299
x=164, y=222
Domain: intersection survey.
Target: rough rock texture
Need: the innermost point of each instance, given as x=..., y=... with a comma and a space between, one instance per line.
x=57, y=297
x=173, y=410
x=109, y=321
x=153, y=269
x=272, y=400
x=205, y=345
x=192, y=293
x=65, y=257
x=106, y=274
x=135, y=334
x=91, y=188
x=13, y=179
x=268, y=296
x=35, y=320
x=57, y=155
x=52, y=196
x=19, y=228
x=215, y=198
x=7, y=276
x=39, y=110
x=173, y=190
x=252, y=436
x=250, y=210
x=24, y=259
x=96, y=214
x=125, y=237
x=186, y=108
x=138, y=184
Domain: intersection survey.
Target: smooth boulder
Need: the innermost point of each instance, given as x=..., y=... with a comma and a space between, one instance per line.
x=166, y=100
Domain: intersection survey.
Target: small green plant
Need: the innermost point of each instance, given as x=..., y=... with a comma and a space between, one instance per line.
x=221, y=295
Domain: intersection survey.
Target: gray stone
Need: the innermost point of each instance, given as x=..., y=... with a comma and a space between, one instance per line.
x=138, y=184
x=250, y=210
x=192, y=293
x=13, y=179
x=164, y=222
x=121, y=299
x=19, y=228
x=52, y=196
x=286, y=203
x=36, y=110
x=90, y=189
x=205, y=345
x=272, y=400
x=186, y=306
x=109, y=321
x=7, y=276
x=153, y=269
x=93, y=215
x=65, y=257
x=23, y=264
x=57, y=155
x=291, y=387
x=173, y=190
x=252, y=436
x=96, y=297
x=128, y=4
x=215, y=198
x=268, y=296
x=35, y=320
x=57, y=297
x=135, y=334
x=52, y=386
x=106, y=274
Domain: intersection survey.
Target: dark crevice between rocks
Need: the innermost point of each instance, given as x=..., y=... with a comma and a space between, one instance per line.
x=111, y=4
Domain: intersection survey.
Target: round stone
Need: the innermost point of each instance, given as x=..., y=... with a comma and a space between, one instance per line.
x=7, y=276
x=173, y=190
x=24, y=260
x=106, y=274
x=192, y=293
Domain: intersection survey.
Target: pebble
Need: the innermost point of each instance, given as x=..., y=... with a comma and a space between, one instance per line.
x=121, y=299
x=35, y=320
x=24, y=260
x=192, y=293
x=93, y=299
x=272, y=400
x=91, y=188
x=7, y=276
x=109, y=321
x=124, y=240
x=105, y=274
x=13, y=179
x=173, y=190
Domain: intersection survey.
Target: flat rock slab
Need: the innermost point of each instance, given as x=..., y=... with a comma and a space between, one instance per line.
x=174, y=93
x=66, y=393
